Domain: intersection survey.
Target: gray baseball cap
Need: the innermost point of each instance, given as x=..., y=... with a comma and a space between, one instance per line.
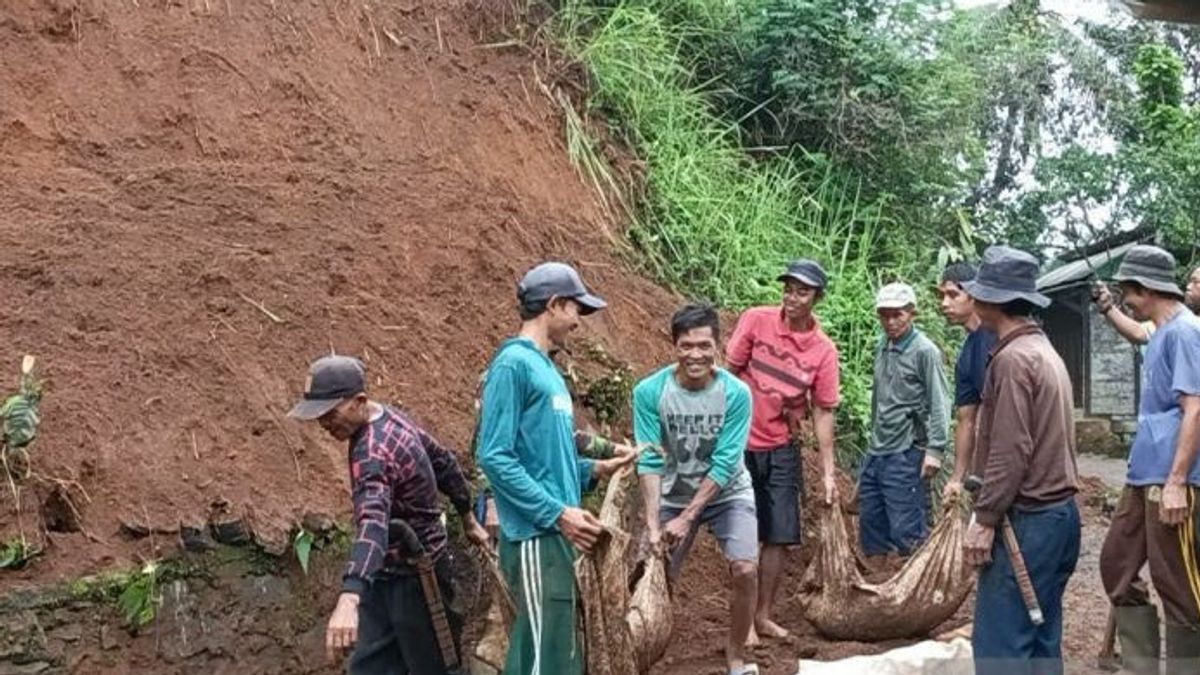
x=331, y=380
x=806, y=271
x=553, y=279
x=895, y=296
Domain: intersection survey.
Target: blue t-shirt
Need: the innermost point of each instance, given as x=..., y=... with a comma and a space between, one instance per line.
x=1171, y=370
x=972, y=367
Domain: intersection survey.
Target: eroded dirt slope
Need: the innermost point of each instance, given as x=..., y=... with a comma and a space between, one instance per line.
x=199, y=196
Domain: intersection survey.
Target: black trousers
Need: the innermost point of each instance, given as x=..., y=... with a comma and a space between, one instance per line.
x=395, y=632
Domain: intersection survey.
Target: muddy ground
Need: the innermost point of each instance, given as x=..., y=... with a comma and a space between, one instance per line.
x=701, y=615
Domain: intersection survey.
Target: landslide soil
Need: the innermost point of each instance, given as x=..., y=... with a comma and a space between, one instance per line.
x=199, y=197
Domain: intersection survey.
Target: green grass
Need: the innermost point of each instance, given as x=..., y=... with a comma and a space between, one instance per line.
x=714, y=223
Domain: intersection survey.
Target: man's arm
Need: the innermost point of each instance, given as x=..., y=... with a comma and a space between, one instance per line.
x=372, y=495
x=938, y=402
x=737, y=352
x=1185, y=382
x=823, y=422
x=447, y=472
x=647, y=434
x=1009, y=447
x=964, y=441
x=498, y=421
x=1126, y=326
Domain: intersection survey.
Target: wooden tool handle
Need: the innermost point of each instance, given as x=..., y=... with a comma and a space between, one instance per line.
x=1022, y=574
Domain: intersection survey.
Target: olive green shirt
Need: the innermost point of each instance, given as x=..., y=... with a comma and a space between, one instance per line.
x=910, y=401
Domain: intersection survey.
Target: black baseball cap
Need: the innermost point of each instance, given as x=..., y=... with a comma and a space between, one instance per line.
x=331, y=380
x=806, y=271
x=554, y=279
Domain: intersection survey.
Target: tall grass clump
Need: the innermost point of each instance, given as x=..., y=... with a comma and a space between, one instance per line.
x=713, y=223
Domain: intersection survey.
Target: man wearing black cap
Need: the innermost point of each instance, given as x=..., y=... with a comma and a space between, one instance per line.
x=1156, y=519
x=1025, y=461
x=791, y=367
x=396, y=472
x=526, y=448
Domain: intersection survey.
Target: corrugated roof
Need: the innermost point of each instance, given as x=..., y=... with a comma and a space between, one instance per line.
x=1079, y=270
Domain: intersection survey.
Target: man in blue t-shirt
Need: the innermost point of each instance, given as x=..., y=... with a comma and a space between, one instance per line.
x=1156, y=519
x=959, y=309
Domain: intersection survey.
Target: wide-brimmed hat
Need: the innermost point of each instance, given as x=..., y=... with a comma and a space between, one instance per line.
x=331, y=380
x=1151, y=267
x=1006, y=274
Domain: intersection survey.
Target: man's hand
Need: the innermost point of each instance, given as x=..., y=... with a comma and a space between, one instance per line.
x=580, y=528
x=677, y=530
x=831, y=489
x=342, y=632
x=1172, y=510
x=1102, y=296
x=603, y=468
x=475, y=532
x=624, y=449
x=977, y=544
x=953, y=488
x=491, y=521
x=930, y=467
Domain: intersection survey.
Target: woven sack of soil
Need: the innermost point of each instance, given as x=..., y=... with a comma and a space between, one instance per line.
x=603, y=580
x=650, y=619
x=930, y=587
x=492, y=647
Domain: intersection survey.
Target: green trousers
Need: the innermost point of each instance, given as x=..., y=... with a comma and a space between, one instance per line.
x=540, y=573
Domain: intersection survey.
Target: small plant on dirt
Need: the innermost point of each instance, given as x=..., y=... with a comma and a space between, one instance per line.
x=607, y=392
x=303, y=545
x=15, y=553
x=140, y=598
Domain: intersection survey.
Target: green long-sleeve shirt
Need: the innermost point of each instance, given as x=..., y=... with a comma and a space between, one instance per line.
x=910, y=401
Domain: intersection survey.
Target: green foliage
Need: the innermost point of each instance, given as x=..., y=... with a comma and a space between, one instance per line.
x=15, y=553
x=19, y=414
x=715, y=224
x=303, y=545
x=140, y=598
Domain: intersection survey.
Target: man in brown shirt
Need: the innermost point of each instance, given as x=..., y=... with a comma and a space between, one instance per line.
x=1025, y=460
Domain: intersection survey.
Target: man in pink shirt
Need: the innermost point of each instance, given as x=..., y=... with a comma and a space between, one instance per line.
x=791, y=367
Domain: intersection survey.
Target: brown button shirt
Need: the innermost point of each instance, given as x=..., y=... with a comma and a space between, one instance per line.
x=1025, y=444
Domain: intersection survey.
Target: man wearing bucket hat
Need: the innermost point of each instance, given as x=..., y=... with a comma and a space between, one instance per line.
x=1025, y=465
x=791, y=367
x=1156, y=519
x=396, y=471
x=526, y=447
x=910, y=426
x=1139, y=332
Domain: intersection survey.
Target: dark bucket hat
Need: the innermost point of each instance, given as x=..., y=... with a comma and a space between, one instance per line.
x=1151, y=267
x=1006, y=274
x=806, y=271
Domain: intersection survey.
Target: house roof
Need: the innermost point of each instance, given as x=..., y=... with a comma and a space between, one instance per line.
x=1073, y=273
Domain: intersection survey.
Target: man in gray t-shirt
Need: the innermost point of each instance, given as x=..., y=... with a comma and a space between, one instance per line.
x=695, y=417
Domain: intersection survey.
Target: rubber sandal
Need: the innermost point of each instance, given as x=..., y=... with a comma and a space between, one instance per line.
x=746, y=669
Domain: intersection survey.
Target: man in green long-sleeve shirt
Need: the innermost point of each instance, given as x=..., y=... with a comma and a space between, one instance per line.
x=910, y=425
x=696, y=417
x=526, y=447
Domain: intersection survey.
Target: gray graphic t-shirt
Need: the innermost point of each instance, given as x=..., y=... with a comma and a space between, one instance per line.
x=701, y=434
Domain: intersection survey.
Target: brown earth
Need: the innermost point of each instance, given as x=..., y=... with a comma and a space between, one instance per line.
x=199, y=197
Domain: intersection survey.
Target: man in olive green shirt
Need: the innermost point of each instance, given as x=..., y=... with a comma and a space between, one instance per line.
x=910, y=426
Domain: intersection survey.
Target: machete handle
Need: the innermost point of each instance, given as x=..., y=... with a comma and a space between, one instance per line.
x=1024, y=583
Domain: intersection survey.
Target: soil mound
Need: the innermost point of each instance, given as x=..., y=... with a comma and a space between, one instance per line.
x=200, y=196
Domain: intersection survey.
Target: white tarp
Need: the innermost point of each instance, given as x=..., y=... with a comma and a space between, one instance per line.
x=924, y=658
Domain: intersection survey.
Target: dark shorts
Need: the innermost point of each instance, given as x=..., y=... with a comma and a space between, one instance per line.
x=395, y=632
x=777, y=479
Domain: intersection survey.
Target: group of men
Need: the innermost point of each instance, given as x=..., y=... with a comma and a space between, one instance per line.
x=717, y=447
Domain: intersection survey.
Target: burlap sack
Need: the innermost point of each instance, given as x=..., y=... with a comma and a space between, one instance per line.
x=650, y=619
x=929, y=589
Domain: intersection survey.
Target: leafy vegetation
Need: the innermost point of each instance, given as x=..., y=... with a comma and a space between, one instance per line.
x=881, y=137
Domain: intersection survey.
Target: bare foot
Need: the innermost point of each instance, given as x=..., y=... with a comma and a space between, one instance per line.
x=752, y=639
x=768, y=628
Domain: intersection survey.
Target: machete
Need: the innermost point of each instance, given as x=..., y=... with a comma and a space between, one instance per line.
x=402, y=532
